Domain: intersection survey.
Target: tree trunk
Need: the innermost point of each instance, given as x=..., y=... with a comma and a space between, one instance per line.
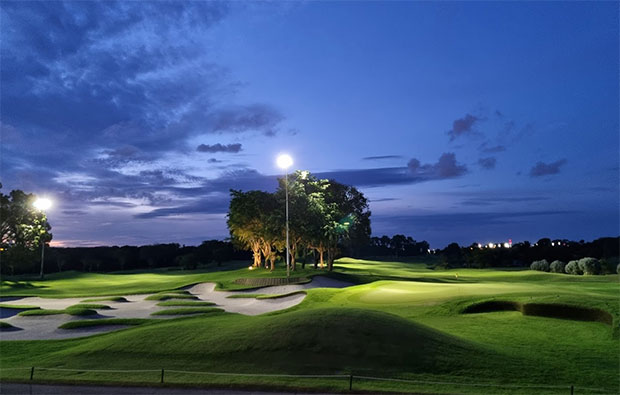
x=293, y=248
x=321, y=251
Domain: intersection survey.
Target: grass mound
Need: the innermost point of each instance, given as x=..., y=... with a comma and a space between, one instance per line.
x=106, y=299
x=263, y=296
x=320, y=340
x=167, y=296
x=266, y=282
x=551, y=310
x=102, y=322
x=6, y=327
x=188, y=310
x=187, y=303
x=18, y=306
x=77, y=311
x=91, y=306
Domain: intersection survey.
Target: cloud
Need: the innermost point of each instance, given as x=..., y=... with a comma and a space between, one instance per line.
x=487, y=163
x=446, y=167
x=256, y=117
x=544, y=169
x=491, y=150
x=219, y=148
x=382, y=157
x=462, y=126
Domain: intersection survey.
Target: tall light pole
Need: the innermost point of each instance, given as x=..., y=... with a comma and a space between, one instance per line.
x=284, y=162
x=42, y=204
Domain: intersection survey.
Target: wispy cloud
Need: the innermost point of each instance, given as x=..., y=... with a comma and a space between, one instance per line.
x=544, y=169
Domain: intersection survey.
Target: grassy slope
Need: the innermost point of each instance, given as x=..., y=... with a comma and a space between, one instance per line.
x=404, y=328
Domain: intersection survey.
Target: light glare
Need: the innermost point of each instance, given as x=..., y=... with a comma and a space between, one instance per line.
x=42, y=204
x=284, y=161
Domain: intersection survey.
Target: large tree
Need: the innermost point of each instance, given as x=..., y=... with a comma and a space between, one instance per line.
x=23, y=229
x=322, y=215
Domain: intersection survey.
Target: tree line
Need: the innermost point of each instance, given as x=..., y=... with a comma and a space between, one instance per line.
x=606, y=249
x=324, y=217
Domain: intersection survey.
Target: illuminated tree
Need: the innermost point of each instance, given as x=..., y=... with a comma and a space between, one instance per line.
x=23, y=228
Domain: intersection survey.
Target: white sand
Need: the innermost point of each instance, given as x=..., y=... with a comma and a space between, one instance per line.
x=46, y=327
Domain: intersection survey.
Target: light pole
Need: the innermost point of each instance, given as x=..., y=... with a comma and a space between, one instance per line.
x=42, y=204
x=284, y=162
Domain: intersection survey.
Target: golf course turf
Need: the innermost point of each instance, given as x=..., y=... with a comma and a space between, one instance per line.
x=403, y=321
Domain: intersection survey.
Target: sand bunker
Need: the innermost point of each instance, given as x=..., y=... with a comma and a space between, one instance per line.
x=46, y=326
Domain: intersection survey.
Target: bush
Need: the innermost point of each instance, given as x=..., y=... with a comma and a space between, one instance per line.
x=572, y=267
x=557, y=266
x=589, y=266
x=541, y=266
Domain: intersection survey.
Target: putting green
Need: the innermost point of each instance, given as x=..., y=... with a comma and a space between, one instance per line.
x=408, y=292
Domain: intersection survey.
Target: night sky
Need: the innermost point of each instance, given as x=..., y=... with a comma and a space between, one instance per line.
x=466, y=122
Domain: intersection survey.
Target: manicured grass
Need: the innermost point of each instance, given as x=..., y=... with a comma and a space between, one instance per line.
x=278, y=296
x=403, y=320
x=188, y=310
x=263, y=296
x=92, y=306
x=103, y=322
x=167, y=296
x=106, y=299
x=244, y=296
x=18, y=306
x=69, y=310
x=192, y=303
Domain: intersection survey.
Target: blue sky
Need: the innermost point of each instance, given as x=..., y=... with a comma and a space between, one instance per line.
x=466, y=122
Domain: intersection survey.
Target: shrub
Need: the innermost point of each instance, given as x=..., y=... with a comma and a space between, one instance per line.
x=557, y=266
x=572, y=267
x=541, y=266
x=589, y=266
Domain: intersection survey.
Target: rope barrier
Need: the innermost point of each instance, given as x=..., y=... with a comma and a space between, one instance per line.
x=348, y=376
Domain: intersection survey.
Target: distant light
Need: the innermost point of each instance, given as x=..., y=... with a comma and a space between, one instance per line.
x=506, y=245
x=491, y=245
x=250, y=267
x=42, y=204
x=479, y=245
x=552, y=244
x=284, y=161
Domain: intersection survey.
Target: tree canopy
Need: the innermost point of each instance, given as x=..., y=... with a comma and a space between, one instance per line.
x=323, y=216
x=23, y=228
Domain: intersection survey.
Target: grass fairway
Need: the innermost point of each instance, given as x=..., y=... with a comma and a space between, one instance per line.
x=402, y=320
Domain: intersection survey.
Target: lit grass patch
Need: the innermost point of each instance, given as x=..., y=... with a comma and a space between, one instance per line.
x=189, y=303
x=106, y=299
x=103, y=322
x=167, y=296
x=18, y=306
x=188, y=310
